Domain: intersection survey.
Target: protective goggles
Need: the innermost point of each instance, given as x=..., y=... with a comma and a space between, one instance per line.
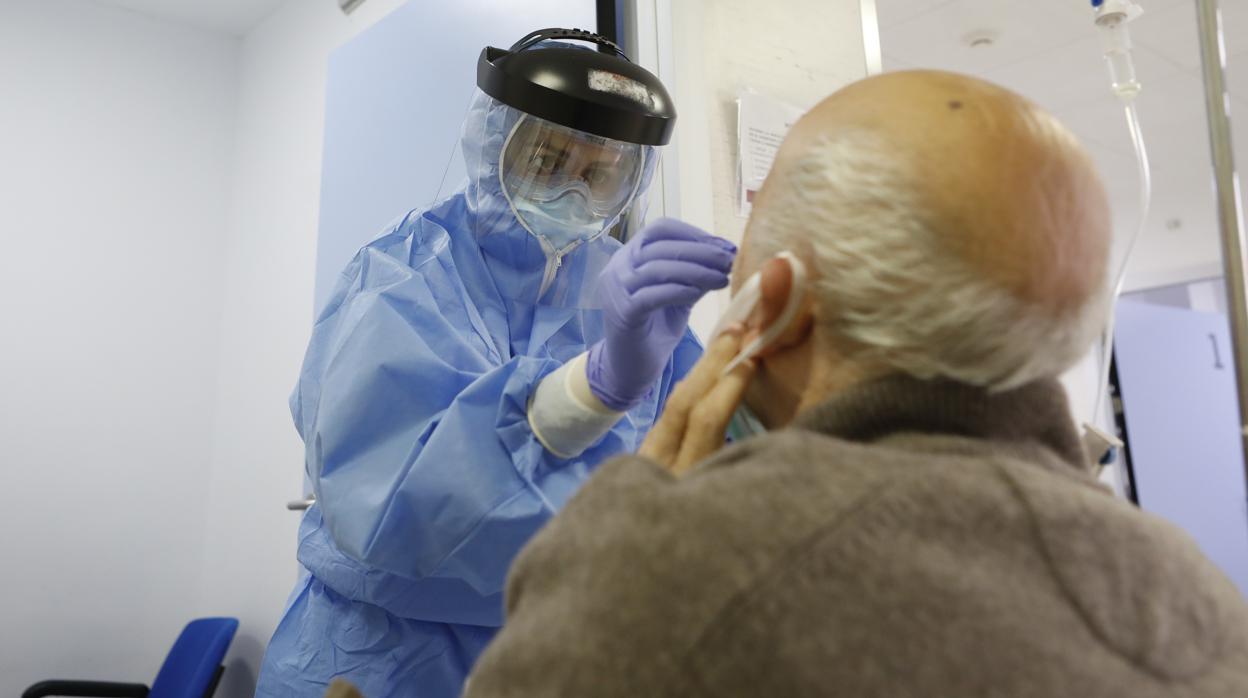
x=543, y=163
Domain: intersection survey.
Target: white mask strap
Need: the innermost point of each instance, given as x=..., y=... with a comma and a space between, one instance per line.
x=747, y=299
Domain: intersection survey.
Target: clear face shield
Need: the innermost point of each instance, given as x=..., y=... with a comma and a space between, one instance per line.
x=559, y=146
x=567, y=187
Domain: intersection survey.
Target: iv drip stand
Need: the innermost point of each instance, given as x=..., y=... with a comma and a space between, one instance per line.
x=1226, y=188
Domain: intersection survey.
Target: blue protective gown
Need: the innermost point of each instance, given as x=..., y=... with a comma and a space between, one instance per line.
x=412, y=405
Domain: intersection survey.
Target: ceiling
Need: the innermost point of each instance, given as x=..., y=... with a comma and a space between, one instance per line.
x=234, y=17
x=1049, y=51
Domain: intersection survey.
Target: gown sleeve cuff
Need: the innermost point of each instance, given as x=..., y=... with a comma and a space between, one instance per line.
x=565, y=415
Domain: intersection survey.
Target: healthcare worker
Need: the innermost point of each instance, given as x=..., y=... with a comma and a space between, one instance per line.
x=476, y=362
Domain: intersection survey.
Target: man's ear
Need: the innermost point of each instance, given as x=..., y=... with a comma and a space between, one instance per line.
x=776, y=285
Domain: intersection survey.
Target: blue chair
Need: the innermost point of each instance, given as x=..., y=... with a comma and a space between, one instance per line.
x=192, y=669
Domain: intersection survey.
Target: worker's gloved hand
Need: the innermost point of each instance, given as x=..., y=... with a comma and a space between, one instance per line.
x=646, y=292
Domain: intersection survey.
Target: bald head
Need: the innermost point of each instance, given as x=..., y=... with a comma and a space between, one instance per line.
x=1006, y=187
x=945, y=215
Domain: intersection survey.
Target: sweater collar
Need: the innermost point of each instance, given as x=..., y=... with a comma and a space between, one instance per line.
x=1036, y=414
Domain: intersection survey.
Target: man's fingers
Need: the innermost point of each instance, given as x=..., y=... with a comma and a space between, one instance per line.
x=706, y=372
x=708, y=420
x=662, y=445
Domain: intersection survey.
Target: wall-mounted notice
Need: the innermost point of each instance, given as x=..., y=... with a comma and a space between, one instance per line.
x=761, y=125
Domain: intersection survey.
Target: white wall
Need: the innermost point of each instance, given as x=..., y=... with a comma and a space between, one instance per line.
x=159, y=191
x=256, y=460
x=708, y=52
x=115, y=153
x=797, y=51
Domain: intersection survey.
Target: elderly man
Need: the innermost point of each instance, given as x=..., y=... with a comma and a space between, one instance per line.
x=922, y=520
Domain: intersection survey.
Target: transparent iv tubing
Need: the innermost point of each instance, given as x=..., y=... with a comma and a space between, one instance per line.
x=1120, y=273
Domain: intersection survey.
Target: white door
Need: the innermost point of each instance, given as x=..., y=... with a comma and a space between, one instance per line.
x=1179, y=398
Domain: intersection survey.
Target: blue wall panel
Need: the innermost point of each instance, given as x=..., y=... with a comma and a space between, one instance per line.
x=396, y=97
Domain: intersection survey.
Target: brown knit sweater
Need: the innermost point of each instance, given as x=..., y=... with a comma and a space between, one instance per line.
x=905, y=539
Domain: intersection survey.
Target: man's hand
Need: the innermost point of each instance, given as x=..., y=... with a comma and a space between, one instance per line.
x=693, y=423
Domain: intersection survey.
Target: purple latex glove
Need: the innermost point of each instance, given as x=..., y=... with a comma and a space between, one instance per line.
x=646, y=292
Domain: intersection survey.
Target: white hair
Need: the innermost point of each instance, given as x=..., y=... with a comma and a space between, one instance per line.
x=893, y=292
